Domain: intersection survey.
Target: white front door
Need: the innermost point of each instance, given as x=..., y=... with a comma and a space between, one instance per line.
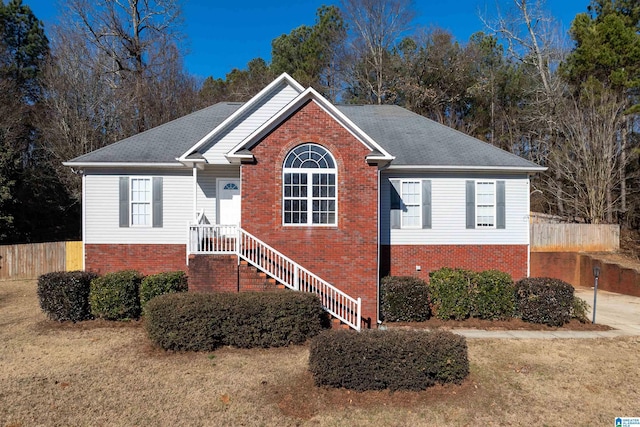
x=228, y=201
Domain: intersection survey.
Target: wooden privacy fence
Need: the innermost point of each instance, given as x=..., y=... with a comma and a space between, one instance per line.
x=546, y=237
x=31, y=260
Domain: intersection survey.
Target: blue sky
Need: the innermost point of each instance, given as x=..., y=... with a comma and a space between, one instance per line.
x=226, y=35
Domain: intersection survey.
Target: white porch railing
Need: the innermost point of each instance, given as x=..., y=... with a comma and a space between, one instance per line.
x=226, y=239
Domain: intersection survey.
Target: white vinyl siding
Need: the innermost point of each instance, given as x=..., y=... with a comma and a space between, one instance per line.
x=101, y=207
x=448, y=213
x=247, y=123
x=206, y=191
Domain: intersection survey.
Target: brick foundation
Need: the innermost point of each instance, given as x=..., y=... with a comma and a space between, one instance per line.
x=401, y=260
x=147, y=259
x=222, y=273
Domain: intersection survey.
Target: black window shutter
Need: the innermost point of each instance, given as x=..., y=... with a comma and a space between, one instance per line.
x=157, y=201
x=500, y=205
x=124, y=201
x=396, y=203
x=426, y=203
x=471, y=204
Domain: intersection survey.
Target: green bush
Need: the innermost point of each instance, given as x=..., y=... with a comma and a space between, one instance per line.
x=544, y=300
x=451, y=293
x=160, y=284
x=493, y=295
x=115, y=296
x=579, y=310
x=404, y=299
x=202, y=322
x=65, y=295
x=391, y=359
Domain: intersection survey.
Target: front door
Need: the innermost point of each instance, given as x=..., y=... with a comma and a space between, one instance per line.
x=228, y=201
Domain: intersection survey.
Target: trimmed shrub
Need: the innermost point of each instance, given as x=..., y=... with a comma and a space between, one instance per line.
x=404, y=299
x=493, y=296
x=579, y=310
x=391, y=359
x=203, y=322
x=451, y=293
x=115, y=296
x=544, y=300
x=162, y=283
x=65, y=295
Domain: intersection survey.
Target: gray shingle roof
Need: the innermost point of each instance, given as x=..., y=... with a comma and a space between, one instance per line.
x=413, y=140
x=417, y=141
x=163, y=144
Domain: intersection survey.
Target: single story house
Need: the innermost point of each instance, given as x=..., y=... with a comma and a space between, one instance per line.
x=320, y=197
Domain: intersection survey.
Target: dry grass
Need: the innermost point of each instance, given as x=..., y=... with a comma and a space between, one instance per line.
x=98, y=373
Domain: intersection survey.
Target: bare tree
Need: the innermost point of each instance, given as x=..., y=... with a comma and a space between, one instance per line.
x=376, y=26
x=589, y=158
x=140, y=39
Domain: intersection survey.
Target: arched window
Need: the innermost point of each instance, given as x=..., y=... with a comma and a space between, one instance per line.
x=309, y=186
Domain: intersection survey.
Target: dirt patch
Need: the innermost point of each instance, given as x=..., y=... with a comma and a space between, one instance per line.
x=496, y=325
x=322, y=399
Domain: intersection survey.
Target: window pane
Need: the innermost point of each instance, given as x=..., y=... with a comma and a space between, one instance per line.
x=485, y=208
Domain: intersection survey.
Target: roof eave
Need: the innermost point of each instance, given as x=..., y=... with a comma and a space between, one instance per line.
x=84, y=165
x=451, y=168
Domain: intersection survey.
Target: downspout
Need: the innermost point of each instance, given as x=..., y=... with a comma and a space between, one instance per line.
x=84, y=218
x=529, y=226
x=378, y=255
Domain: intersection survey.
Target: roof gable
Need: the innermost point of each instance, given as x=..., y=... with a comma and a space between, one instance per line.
x=250, y=116
x=239, y=151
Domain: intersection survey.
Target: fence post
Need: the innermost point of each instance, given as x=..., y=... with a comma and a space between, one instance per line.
x=359, y=319
x=296, y=278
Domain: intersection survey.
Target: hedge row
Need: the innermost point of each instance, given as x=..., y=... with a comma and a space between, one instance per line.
x=203, y=322
x=392, y=359
x=79, y=295
x=65, y=295
x=459, y=294
x=545, y=300
x=404, y=299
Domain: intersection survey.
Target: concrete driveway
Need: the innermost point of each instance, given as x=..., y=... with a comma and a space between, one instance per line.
x=619, y=311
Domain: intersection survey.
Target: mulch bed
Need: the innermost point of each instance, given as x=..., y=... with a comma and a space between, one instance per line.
x=495, y=325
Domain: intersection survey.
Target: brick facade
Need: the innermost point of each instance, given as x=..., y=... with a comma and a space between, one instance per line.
x=223, y=273
x=401, y=260
x=344, y=255
x=147, y=259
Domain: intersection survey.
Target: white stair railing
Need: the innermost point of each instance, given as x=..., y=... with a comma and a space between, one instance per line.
x=221, y=239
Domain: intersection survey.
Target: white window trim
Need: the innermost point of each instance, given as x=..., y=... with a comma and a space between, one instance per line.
x=131, y=224
x=495, y=207
x=309, y=172
x=407, y=227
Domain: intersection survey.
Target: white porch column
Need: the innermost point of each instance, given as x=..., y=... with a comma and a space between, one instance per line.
x=195, y=192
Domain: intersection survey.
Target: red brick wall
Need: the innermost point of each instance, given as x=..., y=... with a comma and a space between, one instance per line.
x=577, y=269
x=148, y=259
x=559, y=265
x=401, y=260
x=345, y=255
x=213, y=273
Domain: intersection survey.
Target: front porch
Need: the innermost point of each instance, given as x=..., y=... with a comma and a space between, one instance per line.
x=228, y=243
